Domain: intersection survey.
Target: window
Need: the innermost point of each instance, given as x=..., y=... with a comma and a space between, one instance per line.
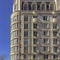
x=25, y=33
x=16, y=41
x=45, y=25
x=46, y=33
x=54, y=41
x=34, y=7
x=25, y=26
x=47, y=6
x=45, y=56
x=55, y=56
x=25, y=41
x=26, y=7
x=46, y=49
x=34, y=49
x=34, y=56
x=15, y=26
x=38, y=6
x=14, y=34
x=35, y=41
x=25, y=18
x=25, y=56
x=44, y=18
x=54, y=26
x=55, y=49
x=16, y=48
x=35, y=33
x=52, y=7
x=43, y=6
x=25, y=49
x=34, y=25
x=46, y=40
x=54, y=33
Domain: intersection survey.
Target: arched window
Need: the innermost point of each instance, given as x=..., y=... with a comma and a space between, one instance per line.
x=34, y=7
x=43, y=6
x=25, y=6
x=51, y=6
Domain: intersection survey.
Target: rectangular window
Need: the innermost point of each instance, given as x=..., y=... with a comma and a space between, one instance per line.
x=45, y=56
x=25, y=26
x=54, y=33
x=25, y=33
x=35, y=33
x=46, y=41
x=25, y=41
x=34, y=25
x=34, y=49
x=54, y=41
x=45, y=25
x=35, y=41
x=45, y=18
x=46, y=49
x=25, y=49
x=54, y=26
x=55, y=56
x=25, y=18
x=34, y=56
x=55, y=49
x=46, y=33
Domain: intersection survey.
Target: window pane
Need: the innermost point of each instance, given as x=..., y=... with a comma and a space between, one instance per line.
x=25, y=26
x=25, y=41
x=25, y=18
x=26, y=34
x=35, y=33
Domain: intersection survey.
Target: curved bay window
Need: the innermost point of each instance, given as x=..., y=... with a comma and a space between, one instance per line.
x=33, y=6
x=26, y=6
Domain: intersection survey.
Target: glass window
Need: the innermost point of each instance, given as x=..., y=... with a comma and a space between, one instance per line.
x=34, y=7
x=25, y=26
x=54, y=26
x=16, y=56
x=46, y=33
x=25, y=33
x=45, y=56
x=54, y=33
x=44, y=18
x=26, y=7
x=16, y=48
x=55, y=56
x=25, y=18
x=25, y=56
x=46, y=40
x=35, y=25
x=43, y=6
x=45, y=25
x=34, y=56
x=34, y=49
x=35, y=41
x=25, y=49
x=46, y=49
x=35, y=33
x=52, y=7
x=14, y=34
x=54, y=41
x=25, y=41
x=55, y=49
x=15, y=41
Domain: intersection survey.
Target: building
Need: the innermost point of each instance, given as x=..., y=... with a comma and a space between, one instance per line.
x=35, y=30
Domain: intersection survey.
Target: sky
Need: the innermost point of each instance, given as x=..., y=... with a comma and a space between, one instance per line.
x=5, y=13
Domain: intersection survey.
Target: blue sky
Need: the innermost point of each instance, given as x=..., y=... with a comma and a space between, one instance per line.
x=5, y=12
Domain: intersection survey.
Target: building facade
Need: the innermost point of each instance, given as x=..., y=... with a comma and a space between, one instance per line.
x=35, y=30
